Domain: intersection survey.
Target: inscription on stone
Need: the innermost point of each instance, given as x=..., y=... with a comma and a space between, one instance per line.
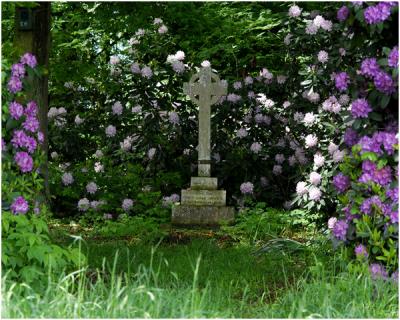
x=203, y=183
x=204, y=197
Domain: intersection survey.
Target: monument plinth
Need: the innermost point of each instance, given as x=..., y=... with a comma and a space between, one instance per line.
x=203, y=203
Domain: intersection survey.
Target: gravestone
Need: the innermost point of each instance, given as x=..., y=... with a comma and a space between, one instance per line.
x=203, y=203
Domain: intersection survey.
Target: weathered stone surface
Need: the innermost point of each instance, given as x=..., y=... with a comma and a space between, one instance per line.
x=203, y=204
x=203, y=183
x=204, y=89
x=202, y=215
x=203, y=197
x=204, y=170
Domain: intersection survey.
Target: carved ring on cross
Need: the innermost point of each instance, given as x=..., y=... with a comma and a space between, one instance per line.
x=209, y=81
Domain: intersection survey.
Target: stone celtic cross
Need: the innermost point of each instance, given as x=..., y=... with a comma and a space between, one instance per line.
x=204, y=89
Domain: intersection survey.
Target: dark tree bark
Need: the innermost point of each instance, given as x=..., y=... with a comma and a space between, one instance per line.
x=37, y=41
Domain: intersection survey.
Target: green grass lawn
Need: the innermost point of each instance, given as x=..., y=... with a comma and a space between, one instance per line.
x=203, y=277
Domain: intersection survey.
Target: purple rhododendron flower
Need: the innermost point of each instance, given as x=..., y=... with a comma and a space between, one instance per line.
x=361, y=251
x=31, y=124
x=17, y=70
x=360, y=108
x=348, y=215
x=24, y=161
x=370, y=172
x=387, y=139
x=14, y=85
x=370, y=67
x=31, y=109
x=30, y=144
x=341, y=182
x=340, y=229
x=370, y=203
x=379, y=139
x=393, y=59
x=383, y=176
x=342, y=81
x=378, y=13
x=29, y=59
x=19, y=206
x=350, y=137
x=16, y=110
x=384, y=82
x=393, y=194
x=368, y=166
x=378, y=271
x=343, y=13
x=19, y=139
x=394, y=216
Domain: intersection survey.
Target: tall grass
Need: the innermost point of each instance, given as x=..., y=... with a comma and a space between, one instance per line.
x=324, y=294
x=106, y=294
x=153, y=290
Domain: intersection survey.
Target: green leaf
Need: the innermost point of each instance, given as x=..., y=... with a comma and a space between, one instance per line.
x=357, y=124
x=382, y=163
x=369, y=156
x=383, y=103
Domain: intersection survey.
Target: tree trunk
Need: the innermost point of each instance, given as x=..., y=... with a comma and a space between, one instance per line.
x=37, y=41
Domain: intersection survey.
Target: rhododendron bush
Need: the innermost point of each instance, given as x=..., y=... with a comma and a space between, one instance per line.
x=27, y=252
x=317, y=130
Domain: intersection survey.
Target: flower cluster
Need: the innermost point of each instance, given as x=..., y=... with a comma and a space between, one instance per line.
x=176, y=61
x=18, y=72
x=379, y=143
x=342, y=81
x=343, y=13
x=383, y=81
x=370, y=172
x=379, y=12
x=19, y=206
x=246, y=188
x=360, y=108
x=27, y=137
x=341, y=182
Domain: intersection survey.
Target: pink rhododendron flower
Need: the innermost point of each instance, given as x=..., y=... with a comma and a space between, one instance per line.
x=127, y=204
x=117, y=108
x=255, y=147
x=163, y=29
x=323, y=56
x=111, y=131
x=301, y=188
x=311, y=140
x=67, y=178
x=83, y=204
x=246, y=188
x=314, y=193
x=315, y=178
x=294, y=11
x=91, y=187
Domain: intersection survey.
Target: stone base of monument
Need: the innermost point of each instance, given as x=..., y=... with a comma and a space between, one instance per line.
x=203, y=204
x=202, y=215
